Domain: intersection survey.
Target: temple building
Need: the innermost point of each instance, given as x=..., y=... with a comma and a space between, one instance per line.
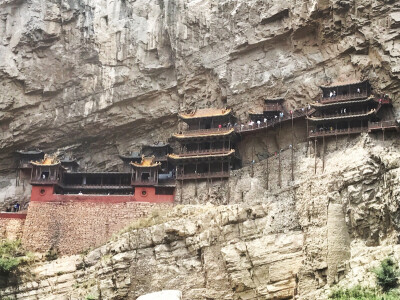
x=24, y=165
x=272, y=109
x=128, y=159
x=207, y=147
x=146, y=181
x=46, y=176
x=49, y=177
x=160, y=152
x=70, y=164
x=345, y=108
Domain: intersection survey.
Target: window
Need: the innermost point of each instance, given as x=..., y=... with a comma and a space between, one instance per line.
x=145, y=176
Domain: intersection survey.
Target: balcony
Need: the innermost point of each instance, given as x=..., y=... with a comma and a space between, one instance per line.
x=224, y=174
x=391, y=124
x=40, y=181
x=203, y=152
x=273, y=107
x=334, y=132
x=347, y=97
x=144, y=182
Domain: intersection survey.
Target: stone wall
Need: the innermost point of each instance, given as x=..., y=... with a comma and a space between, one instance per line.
x=11, y=225
x=71, y=227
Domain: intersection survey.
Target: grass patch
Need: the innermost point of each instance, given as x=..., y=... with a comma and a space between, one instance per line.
x=157, y=217
x=362, y=293
x=154, y=218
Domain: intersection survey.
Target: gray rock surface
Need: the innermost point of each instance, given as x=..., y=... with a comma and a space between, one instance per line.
x=97, y=78
x=293, y=242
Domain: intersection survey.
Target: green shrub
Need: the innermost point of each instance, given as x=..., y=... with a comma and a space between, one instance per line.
x=361, y=293
x=387, y=274
x=52, y=254
x=11, y=256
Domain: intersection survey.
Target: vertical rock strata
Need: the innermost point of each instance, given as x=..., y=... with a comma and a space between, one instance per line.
x=326, y=228
x=98, y=78
x=95, y=78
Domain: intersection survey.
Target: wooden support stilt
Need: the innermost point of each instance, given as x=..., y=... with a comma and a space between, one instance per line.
x=292, y=162
x=315, y=156
x=383, y=134
x=292, y=159
x=279, y=169
x=195, y=187
x=323, y=153
x=252, y=161
x=267, y=170
x=336, y=136
x=181, y=196
x=228, y=196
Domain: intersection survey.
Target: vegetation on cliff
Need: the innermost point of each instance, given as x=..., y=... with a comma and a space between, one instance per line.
x=12, y=256
x=387, y=279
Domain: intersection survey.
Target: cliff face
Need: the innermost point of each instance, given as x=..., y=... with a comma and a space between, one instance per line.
x=95, y=78
x=325, y=228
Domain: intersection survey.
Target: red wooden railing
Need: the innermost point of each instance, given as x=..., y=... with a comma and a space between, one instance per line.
x=339, y=98
x=205, y=131
x=273, y=107
x=351, y=130
x=298, y=113
x=204, y=152
x=383, y=124
x=203, y=175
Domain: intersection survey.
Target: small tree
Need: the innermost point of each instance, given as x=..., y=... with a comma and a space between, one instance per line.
x=387, y=274
x=10, y=256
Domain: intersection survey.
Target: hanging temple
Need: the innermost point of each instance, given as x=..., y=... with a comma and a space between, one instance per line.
x=208, y=148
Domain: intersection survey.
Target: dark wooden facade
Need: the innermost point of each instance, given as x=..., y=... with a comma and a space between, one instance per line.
x=344, y=108
x=207, y=148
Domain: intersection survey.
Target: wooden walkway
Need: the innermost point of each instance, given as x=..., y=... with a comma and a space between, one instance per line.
x=372, y=126
x=297, y=114
x=203, y=175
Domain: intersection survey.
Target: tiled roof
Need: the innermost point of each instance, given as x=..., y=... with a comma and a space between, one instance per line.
x=205, y=113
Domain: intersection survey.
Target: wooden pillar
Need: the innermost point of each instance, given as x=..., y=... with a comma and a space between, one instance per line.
x=292, y=162
x=292, y=149
x=315, y=156
x=383, y=134
x=336, y=135
x=222, y=168
x=323, y=153
x=279, y=169
x=267, y=169
x=252, y=161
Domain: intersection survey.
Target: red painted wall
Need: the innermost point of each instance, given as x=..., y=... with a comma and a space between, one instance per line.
x=42, y=193
x=7, y=215
x=148, y=194
x=46, y=194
